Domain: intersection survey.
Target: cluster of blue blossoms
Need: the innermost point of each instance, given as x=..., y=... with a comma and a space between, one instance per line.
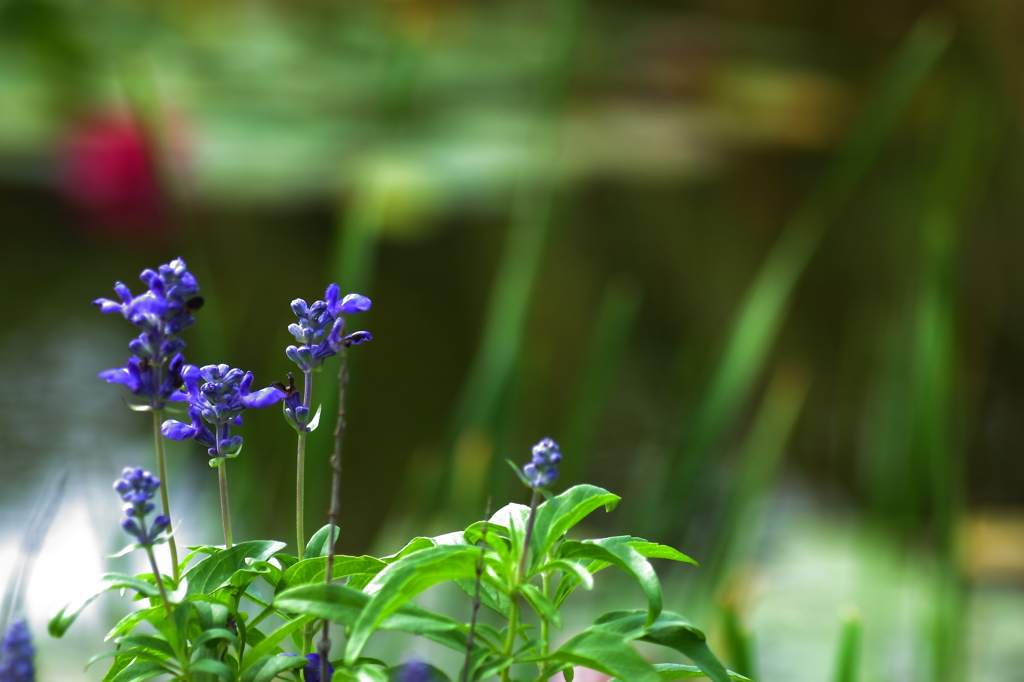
x=16, y=654
x=136, y=488
x=162, y=312
x=321, y=328
x=320, y=333
x=542, y=469
x=215, y=405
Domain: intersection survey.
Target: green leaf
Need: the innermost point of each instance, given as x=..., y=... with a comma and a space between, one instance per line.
x=606, y=652
x=136, y=672
x=541, y=604
x=119, y=665
x=272, y=641
x=269, y=667
x=652, y=550
x=618, y=552
x=318, y=545
x=556, y=516
x=512, y=518
x=208, y=665
x=309, y=571
x=415, y=545
x=62, y=620
x=215, y=571
x=490, y=596
x=212, y=634
x=148, y=642
x=344, y=605
x=670, y=630
x=129, y=654
x=403, y=580
x=678, y=671
x=360, y=673
x=128, y=623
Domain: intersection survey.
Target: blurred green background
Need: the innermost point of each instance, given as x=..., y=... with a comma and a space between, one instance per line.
x=752, y=264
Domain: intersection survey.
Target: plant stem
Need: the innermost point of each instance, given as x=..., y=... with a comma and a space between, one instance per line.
x=159, y=581
x=339, y=432
x=545, y=627
x=513, y=626
x=476, y=591
x=300, y=471
x=529, y=534
x=225, y=513
x=164, y=496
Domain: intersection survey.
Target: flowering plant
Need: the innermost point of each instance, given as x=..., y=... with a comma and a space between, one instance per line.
x=249, y=611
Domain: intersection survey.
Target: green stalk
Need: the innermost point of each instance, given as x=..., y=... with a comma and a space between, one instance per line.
x=225, y=513
x=164, y=497
x=513, y=626
x=300, y=471
x=545, y=627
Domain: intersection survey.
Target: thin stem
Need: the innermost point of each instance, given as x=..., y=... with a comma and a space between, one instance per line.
x=225, y=513
x=300, y=494
x=545, y=626
x=513, y=626
x=159, y=580
x=300, y=472
x=529, y=534
x=339, y=432
x=164, y=496
x=476, y=591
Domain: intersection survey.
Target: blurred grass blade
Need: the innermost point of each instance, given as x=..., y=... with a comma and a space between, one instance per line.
x=848, y=654
x=614, y=326
x=739, y=644
x=762, y=454
x=766, y=302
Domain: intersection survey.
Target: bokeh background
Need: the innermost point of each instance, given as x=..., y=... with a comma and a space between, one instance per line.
x=755, y=265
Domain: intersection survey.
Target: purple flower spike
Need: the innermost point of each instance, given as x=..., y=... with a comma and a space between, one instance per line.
x=542, y=469
x=17, y=654
x=136, y=488
x=320, y=330
x=162, y=312
x=217, y=395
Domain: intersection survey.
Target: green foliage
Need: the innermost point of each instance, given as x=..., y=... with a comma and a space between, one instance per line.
x=202, y=633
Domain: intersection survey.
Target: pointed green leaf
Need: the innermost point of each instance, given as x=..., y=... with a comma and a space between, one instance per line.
x=208, y=665
x=670, y=630
x=136, y=672
x=415, y=545
x=216, y=570
x=618, y=552
x=541, y=604
x=678, y=671
x=272, y=641
x=556, y=516
x=269, y=667
x=403, y=580
x=652, y=550
x=62, y=620
x=606, y=652
x=309, y=571
x=318, y=545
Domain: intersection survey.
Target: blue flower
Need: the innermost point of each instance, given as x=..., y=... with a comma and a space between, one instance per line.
x=542, y=470
x=217, y=396
x=320, y=330
x=136, y=488
x=311, y=671
x=16, y=654
x=161, y=312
